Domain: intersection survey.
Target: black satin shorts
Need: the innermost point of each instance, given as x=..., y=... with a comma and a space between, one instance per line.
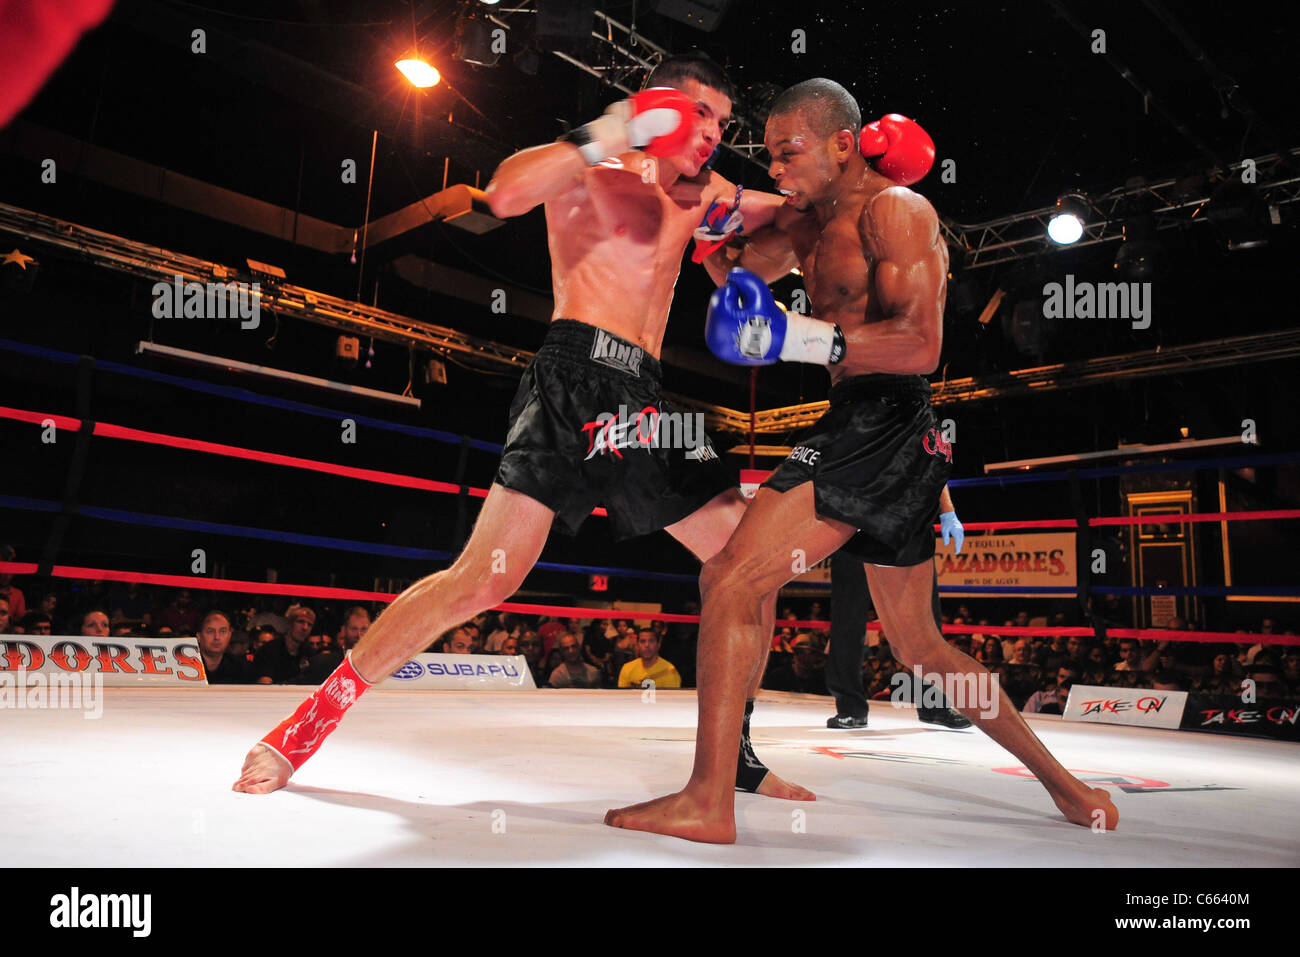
x=878, y=462
x=589, y=427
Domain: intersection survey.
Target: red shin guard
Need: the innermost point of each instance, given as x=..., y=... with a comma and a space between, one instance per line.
x=297, y=737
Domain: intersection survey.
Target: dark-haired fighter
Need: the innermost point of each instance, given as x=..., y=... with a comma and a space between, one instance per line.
x=619, y=219
x=867, y=474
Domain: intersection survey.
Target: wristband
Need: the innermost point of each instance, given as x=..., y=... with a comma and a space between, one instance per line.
x=811, y=340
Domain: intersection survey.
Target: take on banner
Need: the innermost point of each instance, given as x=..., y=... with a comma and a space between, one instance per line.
x=1042, y=560
x=1139, y=707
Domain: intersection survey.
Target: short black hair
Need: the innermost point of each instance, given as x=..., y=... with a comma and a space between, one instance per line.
x=826, y=105
x=695, y=65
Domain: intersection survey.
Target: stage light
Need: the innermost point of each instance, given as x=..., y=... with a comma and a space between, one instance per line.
x=1066, y=225
x=474, y=40
x=420, y=74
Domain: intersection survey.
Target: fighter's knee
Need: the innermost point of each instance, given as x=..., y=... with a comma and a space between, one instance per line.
x=725, y=573
x=487, y=586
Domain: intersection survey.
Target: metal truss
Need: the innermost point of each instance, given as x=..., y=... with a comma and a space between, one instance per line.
x=625, y=59
x=1171, y=202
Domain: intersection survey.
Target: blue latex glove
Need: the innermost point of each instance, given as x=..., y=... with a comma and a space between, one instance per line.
x=951, y=527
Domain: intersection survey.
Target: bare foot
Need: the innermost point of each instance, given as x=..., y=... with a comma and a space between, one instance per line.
x=678, y=815
x=775, y=787
x=1089, y=807
x=264, y=771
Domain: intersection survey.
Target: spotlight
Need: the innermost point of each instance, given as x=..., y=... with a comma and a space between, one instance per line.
x=474, y=40
x=1066, y=225
x=420, y=74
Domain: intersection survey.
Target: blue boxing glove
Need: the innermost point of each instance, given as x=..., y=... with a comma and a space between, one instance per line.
x=745, y=326
x=952, y=528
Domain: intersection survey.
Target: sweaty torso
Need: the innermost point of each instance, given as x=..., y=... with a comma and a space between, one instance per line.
x=838, y=268
x=616, y=245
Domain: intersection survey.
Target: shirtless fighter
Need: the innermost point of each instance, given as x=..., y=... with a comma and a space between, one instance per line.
x=618, y=221
x=867, y=474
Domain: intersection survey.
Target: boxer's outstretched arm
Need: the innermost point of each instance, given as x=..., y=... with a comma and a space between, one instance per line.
x=534, y=176
x=767, y=253
x=900, y=231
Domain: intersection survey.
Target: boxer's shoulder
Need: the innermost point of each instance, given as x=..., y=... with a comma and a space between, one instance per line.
x=895, y=211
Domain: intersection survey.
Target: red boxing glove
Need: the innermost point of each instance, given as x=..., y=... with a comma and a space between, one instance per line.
x=906, y=151
x=667, y=138
x=35, y=36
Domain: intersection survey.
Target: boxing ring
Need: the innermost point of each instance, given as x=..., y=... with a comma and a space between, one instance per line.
x=501, y=778
x=524, y=778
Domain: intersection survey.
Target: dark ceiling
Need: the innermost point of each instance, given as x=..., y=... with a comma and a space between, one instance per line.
x=1012, y=92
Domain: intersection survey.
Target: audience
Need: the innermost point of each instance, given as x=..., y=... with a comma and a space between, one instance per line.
x=222, y=666
x=573, y=671
x=648, y=666
x=280, y=643
x=282, y=660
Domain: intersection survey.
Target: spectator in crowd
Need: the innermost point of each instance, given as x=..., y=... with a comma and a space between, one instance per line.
x=93, y=624
x=261, y=637
x=499, y=628
x=572, y=671
x=509, y=647
x=1052, y=655
x=530, y=646
x=37, y=623
x=805, y=672
x=130, y=605
x=181, y=614
x=1166, y=681
x=781, y=639
x=8, y=590
x=272, y=617
x=6, y=619
x=1161, y=657
x=1291, y=669
x=1268, y=682
x=597, y=648
x=648, y=666
x=625, y=650
x=459, y=642
x=1130, y=656
x=475, y=637
x=550, y=630
x=1076, y=652
x=223, y=667
x=1096, y=667
x=1266, y=627
x=1021, y=653
x=49, y=604
x=1052, y=699
x=282, y=661
x=991, y=653
x=239, y=646
x=354, y=627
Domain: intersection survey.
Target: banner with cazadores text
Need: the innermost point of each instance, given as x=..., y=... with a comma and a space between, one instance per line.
x=117, y=662
x=1014, y=559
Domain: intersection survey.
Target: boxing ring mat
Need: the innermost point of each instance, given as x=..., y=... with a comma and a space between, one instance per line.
x=483, y=779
